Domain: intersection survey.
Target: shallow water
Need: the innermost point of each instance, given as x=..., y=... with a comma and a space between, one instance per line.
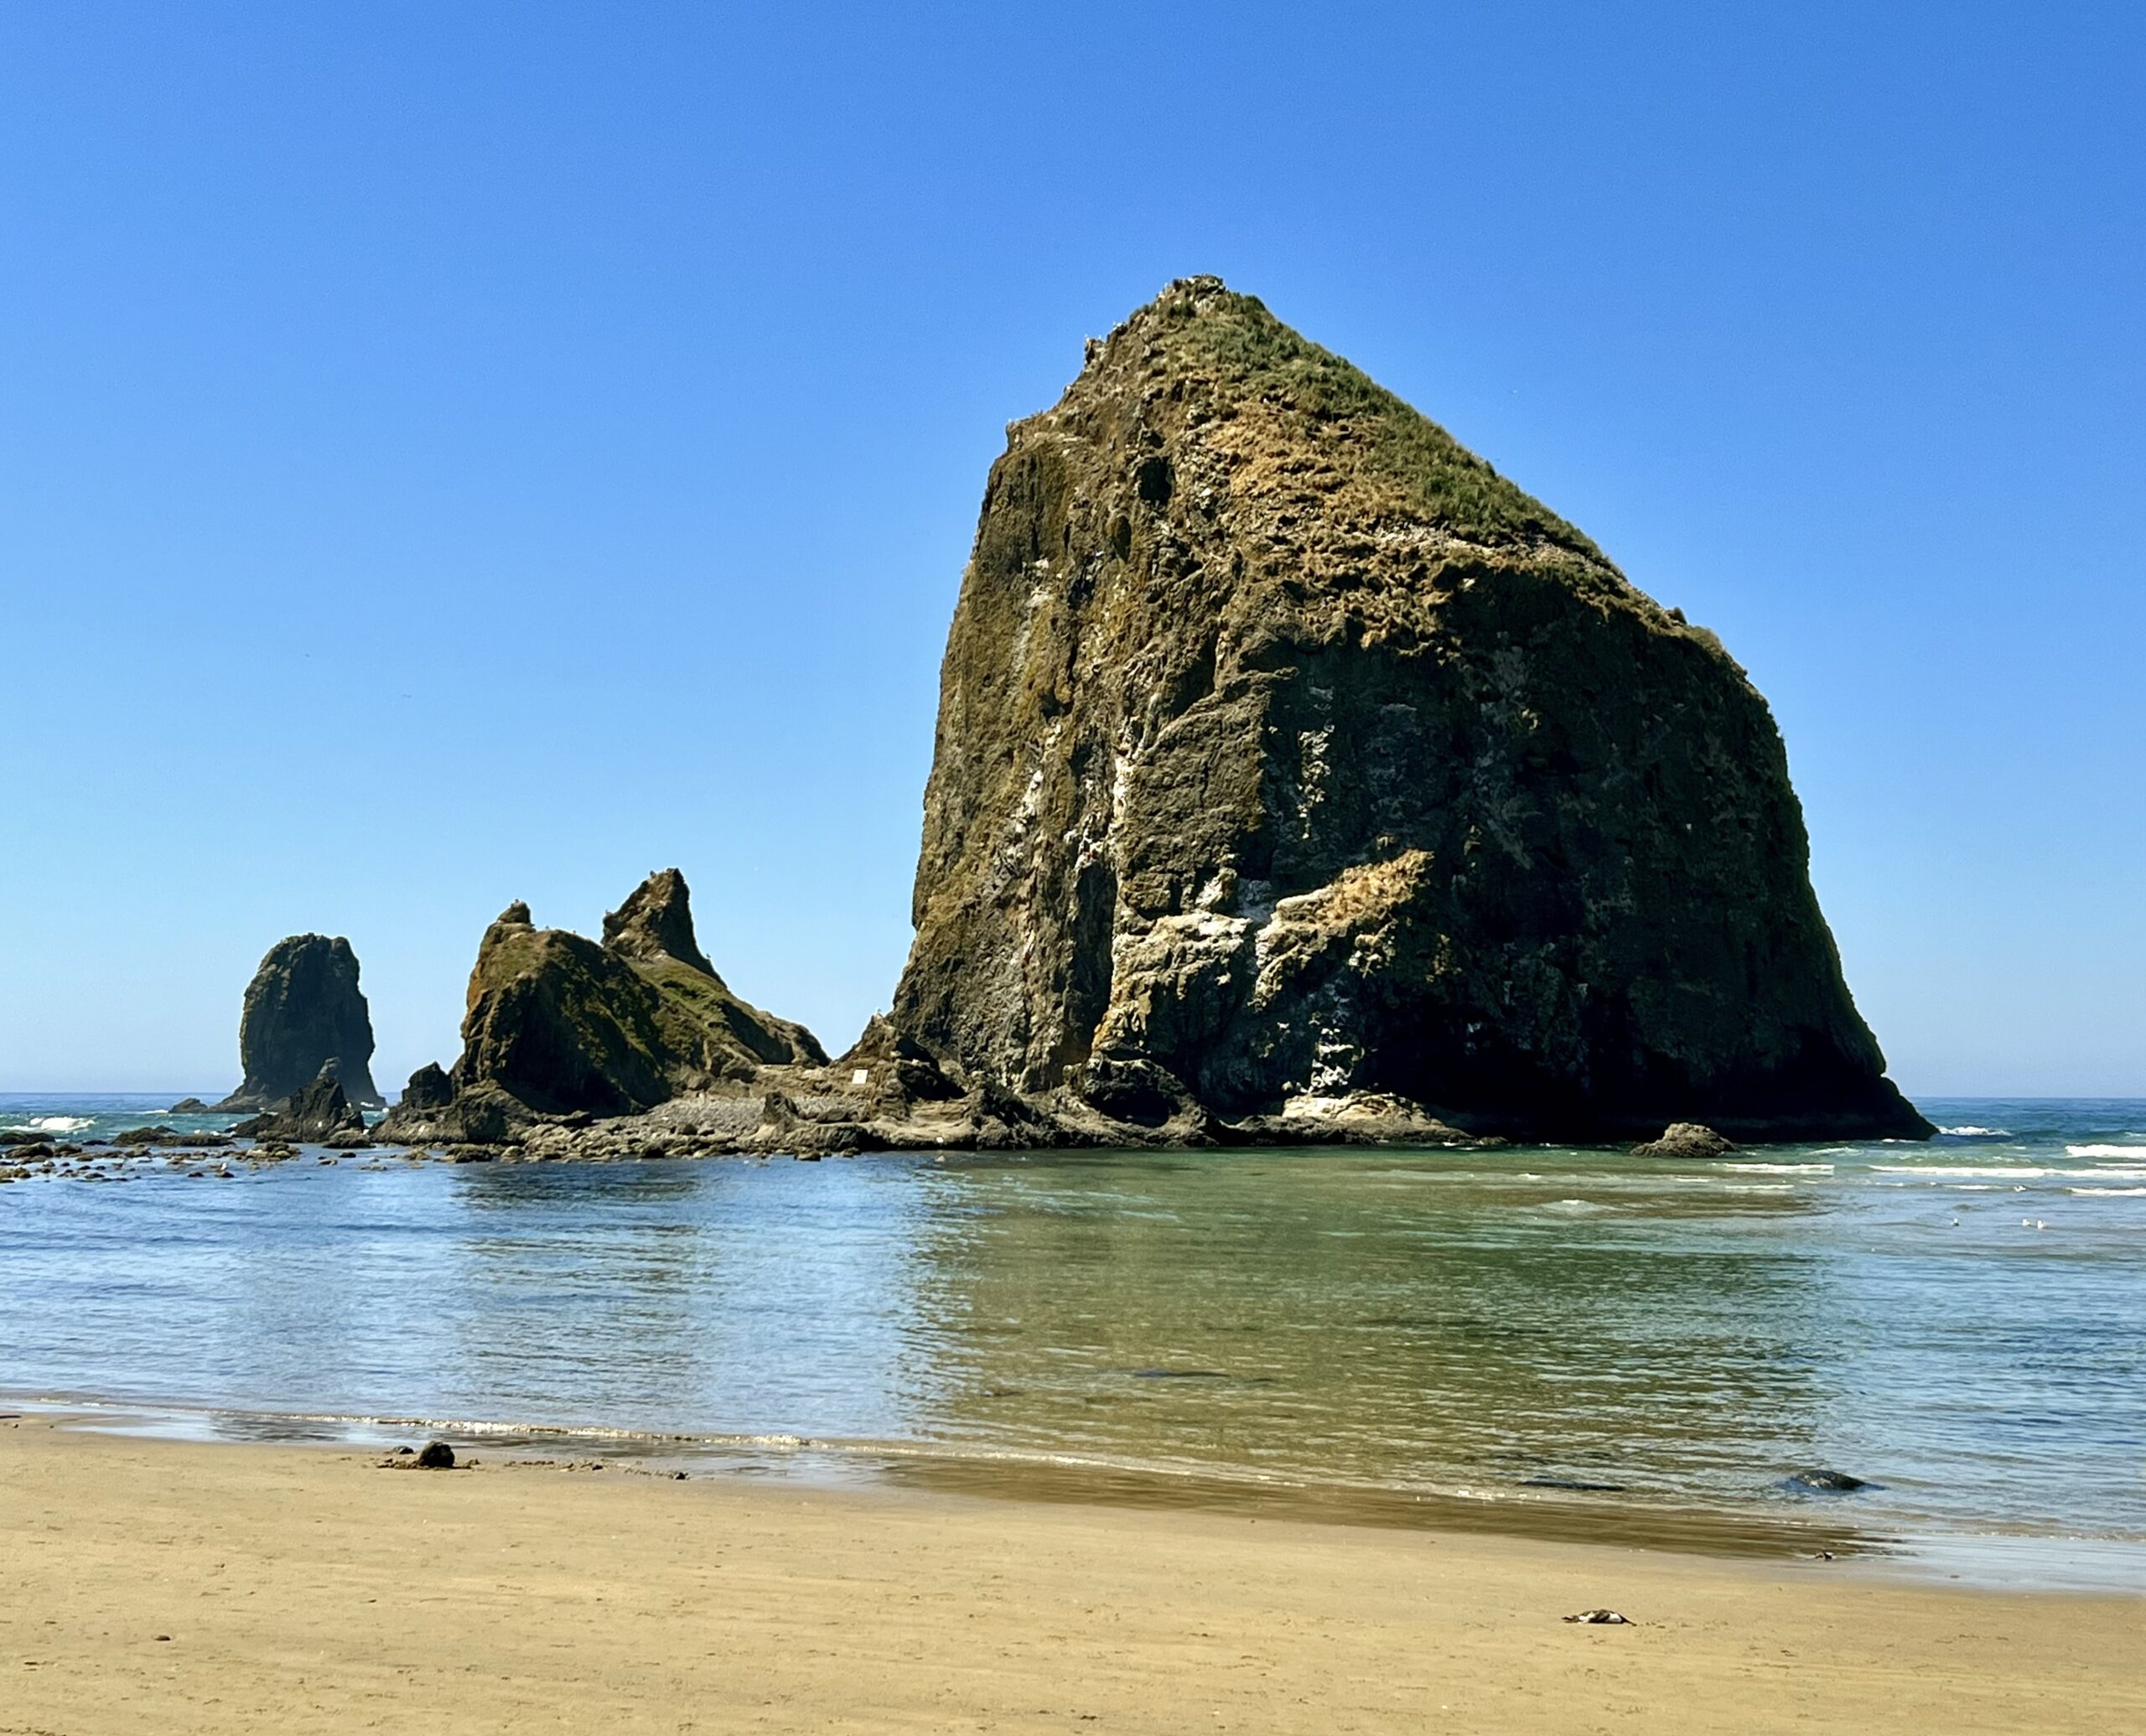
x=1961, y=1325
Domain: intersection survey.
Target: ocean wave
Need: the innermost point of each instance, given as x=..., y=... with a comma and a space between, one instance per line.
x=2110, y=1193
x=1941, y=1172
x=2105, y=1151
x=1738, y=1169
x=51, y=1124
x=1978, y=1133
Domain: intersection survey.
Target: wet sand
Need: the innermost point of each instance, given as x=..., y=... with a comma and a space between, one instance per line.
x=154, y=1585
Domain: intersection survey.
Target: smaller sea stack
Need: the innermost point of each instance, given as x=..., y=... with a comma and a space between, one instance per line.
x=557, y=1023
x=303, y=1009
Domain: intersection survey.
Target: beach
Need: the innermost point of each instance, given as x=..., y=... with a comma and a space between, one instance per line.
x=165, y=1586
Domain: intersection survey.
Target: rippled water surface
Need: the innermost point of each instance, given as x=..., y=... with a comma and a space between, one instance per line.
x=1961, y=1325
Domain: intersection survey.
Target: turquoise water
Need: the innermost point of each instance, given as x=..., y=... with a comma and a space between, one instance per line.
x=1961, y=1325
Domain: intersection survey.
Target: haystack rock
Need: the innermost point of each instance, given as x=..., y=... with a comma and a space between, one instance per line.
x=304, y=1008
x=558, y=1023
x=1288, y=752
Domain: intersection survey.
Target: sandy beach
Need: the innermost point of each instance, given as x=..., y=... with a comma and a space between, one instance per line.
x=171, y=1587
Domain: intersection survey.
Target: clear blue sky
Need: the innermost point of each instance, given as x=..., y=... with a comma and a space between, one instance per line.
x=455, y=453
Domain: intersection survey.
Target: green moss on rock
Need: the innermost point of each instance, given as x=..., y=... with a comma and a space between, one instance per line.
x=559, y=1023
x=1285, y=750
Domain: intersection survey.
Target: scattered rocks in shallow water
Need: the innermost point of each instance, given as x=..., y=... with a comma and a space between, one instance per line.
x=25, y=1136
x=146, y=1136
x=1684, y=1139
x=1603, y=1619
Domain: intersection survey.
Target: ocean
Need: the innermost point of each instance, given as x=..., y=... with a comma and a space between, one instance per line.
x=1707, y=1353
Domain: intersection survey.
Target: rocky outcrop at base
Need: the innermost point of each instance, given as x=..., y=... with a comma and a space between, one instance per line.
x=315, y=1114
x=1287, y=753
x=419, y=1116
x=302, y=1009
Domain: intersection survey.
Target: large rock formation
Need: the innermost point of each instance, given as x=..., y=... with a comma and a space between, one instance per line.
x=1287, y=751
x=304, y=1008
x=559, y=1025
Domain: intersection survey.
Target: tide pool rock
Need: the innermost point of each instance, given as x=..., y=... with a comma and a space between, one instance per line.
x=304, y=1008
x=1286, y=751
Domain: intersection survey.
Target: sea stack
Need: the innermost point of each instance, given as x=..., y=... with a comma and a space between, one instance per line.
x=559, y=1025
x=1287, y=755
x=303, y=1009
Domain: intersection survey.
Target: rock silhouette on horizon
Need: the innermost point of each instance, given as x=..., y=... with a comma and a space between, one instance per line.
x=1287, y=753
x=304, y=1008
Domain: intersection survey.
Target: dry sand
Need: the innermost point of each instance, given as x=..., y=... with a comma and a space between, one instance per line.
x=159, y=1586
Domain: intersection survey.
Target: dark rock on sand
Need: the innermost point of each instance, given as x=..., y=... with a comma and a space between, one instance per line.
x=317, y=1112
x=1684, y=1139
x=304, y=1008
x=1287, y=751
x=436, y=1456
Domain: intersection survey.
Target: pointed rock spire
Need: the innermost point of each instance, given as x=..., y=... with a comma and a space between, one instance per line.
x=657, y=922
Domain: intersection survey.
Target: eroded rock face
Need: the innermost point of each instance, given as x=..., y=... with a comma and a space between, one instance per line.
x=304, y=1009
x=657, y=922
x=1287, y=751
x=557, y=1023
